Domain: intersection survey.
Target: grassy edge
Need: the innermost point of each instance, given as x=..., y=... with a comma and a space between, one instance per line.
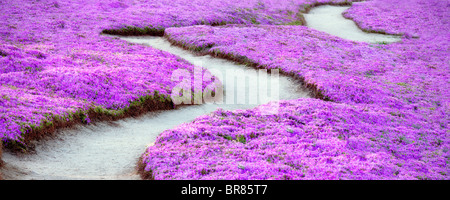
x=344, y=14
x=140, y=168
x=135, y=31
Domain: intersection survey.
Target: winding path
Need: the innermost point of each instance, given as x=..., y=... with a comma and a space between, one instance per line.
x=110, y=150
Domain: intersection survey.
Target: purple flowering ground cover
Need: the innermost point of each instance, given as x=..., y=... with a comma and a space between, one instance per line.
x=387, y=116
x=307, y=139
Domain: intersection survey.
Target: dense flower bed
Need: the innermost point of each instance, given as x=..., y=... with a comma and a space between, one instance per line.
x=307, y=139
x=387, y=119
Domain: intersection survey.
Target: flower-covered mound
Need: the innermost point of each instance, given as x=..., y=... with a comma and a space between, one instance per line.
x=307, y=139
x=387, y=116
